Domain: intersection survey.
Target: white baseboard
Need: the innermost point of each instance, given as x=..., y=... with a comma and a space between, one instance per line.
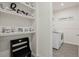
x=71, y=43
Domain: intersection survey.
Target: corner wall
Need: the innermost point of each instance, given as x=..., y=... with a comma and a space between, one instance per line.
x=69, y=27
x=44, y=31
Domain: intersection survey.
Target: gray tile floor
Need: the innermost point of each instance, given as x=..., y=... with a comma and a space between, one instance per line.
x=66, y=50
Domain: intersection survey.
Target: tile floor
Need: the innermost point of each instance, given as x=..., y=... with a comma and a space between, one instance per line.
x=66, y=50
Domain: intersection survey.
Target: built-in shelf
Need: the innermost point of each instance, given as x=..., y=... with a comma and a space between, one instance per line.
x=28, y=5
x=7, y=11
x=16, y=33
x=17, y=14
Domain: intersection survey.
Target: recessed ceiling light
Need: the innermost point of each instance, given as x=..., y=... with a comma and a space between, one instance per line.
x=62, y=4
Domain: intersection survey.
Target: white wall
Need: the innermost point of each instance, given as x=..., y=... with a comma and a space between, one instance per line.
x=44, y=32
x=12, y=20
x=70, y=27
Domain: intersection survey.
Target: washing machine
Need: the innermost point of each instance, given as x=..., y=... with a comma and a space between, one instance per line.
x=57, y=39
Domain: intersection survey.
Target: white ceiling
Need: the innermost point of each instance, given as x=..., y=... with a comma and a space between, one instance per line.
x=57, y=5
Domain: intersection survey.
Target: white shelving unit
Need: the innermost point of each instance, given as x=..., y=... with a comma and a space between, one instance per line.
x=20, y=15
x=14, y=13
x=28, y=5
x=16, y=33
x=6, y=16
